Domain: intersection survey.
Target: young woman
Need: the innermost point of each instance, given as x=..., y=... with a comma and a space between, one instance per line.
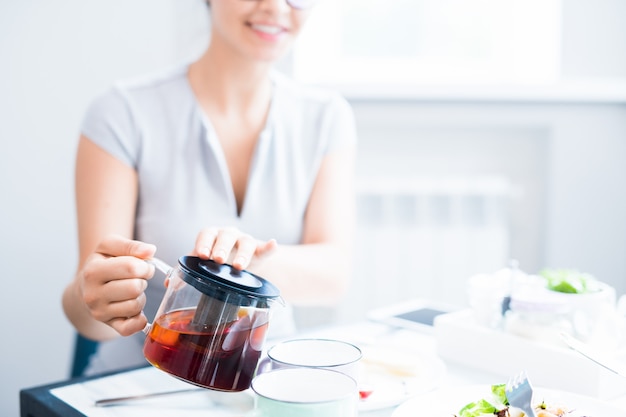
x=221, y=158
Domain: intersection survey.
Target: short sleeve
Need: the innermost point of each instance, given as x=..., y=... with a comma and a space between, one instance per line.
x=109, y=123
x=341, y=127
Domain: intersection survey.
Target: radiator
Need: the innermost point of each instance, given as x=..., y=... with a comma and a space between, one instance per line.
x=423, y=237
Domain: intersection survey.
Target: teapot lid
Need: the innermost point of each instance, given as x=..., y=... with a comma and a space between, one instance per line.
x=221, y=280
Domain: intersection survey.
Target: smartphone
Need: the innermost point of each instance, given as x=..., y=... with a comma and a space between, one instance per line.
x=418, y=314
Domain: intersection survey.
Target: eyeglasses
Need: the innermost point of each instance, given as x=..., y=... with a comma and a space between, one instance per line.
x=298, y=4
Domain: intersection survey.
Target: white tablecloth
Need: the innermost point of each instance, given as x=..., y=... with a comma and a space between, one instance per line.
x=390, y=347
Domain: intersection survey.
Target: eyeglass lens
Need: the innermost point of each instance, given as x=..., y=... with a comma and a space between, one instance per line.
x=301, y=4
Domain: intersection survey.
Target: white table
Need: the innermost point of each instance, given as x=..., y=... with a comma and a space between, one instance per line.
x=81, y=395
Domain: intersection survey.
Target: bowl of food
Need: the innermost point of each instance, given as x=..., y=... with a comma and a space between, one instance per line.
x=591, y=304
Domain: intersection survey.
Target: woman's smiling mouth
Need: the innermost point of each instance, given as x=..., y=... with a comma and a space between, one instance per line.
x=268, y=31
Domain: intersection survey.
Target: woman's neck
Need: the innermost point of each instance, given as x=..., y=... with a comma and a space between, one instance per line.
x=225, y=82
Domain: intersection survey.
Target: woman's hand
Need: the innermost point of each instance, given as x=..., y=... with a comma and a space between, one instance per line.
x=113, y=280
x=230, y=245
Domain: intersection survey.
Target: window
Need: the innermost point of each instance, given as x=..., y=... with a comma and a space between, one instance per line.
x=430, y=41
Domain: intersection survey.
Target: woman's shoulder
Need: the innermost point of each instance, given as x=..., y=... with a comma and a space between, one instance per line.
x=142, y=93
x=143, y=86
x=114, y=117
x=167, y=78
x=317, y=113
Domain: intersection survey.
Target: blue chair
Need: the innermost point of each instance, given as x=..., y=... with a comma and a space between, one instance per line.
x=83, y=349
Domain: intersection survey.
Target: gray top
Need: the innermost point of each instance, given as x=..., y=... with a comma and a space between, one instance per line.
x=156, y=126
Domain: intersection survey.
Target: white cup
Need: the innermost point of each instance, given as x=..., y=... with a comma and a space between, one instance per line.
x=335, y=355
x=304, y=392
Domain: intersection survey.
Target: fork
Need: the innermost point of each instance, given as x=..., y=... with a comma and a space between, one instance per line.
x=519, y=393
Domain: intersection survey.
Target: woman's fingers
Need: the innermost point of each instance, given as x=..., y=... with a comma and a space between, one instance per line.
x=114, y=279
x=266, y=247
x=205, y=241
x=122, y=309
x=125, y=289
x=246, y=248
x=224, y=244
x=114, y=245
x=99, y=270
x=120, y=304
x=230, y=245
x=129, y=325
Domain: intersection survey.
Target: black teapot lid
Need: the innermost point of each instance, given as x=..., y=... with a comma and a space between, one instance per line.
x=222, y=281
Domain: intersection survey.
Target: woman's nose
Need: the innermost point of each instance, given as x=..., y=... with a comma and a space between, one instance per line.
x=278, y=5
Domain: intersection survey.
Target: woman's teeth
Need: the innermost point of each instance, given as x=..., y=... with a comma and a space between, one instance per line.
x=271, y=30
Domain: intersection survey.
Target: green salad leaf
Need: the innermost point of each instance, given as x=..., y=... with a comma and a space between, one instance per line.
x=569, y=281
x=485, y=407
x=499, y=392
x=476, y=409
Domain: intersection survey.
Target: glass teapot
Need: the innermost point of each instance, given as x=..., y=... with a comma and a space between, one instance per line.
x=211, y=325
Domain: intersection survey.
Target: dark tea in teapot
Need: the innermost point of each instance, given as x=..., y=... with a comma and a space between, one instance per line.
x=211, y=324
x=221, y=357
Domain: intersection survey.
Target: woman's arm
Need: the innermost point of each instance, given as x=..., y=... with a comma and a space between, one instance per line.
x=106, y=296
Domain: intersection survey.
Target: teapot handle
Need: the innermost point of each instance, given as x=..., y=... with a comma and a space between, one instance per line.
x=163, y=267
x=160, y=265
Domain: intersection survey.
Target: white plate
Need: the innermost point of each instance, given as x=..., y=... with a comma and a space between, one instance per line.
x=395, y=375
x=446, y=402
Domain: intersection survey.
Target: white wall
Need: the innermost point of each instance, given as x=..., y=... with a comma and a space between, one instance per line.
x=55, y=56
x=593, y=39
